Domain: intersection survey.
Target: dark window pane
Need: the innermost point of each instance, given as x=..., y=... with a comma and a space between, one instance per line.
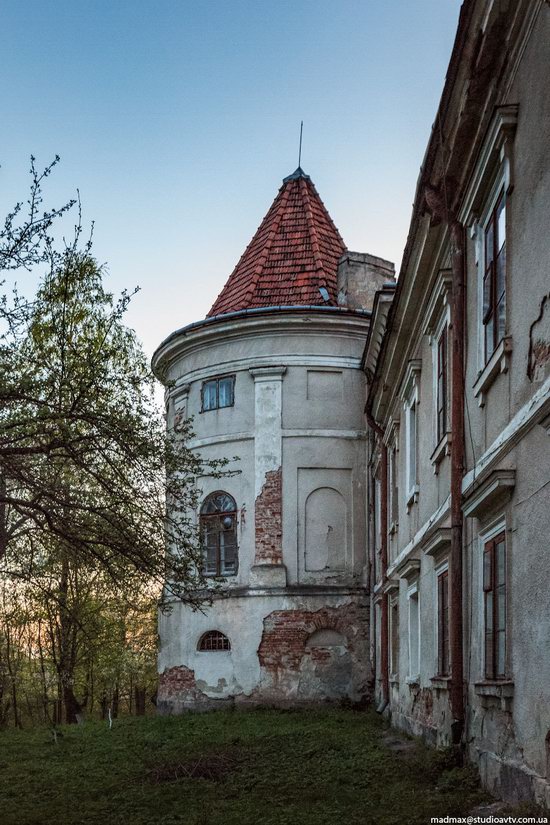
x=209, y=395
x=501, y=319
x=500, y=654
x=489, y=338
x=501, y=274
x=489, y=243
x=489, y=612
x=486, y=296
x=501, y=609
x=501, y=562
x=225, y=392
x=211, y=566
x=489, y=656
x=219, y=503
x=487, y=570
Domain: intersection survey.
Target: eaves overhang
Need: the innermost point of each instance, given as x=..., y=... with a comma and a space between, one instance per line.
x=242, y=320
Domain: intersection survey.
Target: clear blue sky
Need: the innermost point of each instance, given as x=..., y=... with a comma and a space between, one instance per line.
x=177, y=120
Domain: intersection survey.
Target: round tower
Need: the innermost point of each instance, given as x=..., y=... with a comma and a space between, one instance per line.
x=273, y=375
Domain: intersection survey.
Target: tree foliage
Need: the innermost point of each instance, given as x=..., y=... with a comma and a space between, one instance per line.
x=86, y=472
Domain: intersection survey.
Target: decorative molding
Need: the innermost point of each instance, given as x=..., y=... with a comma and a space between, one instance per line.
x=240, y=364
x=497, y=147
x=494, y=492
x=390, y=587
x=438, y=545
x=411, y=380
x=496, y=365
x=439, y=301
x=274, y=373
x=420, y=537
x=409, y=569
x=534, y=412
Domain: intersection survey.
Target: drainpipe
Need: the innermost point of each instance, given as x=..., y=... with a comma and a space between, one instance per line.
x=437, y=205
x=384, y=661
x=457, y=474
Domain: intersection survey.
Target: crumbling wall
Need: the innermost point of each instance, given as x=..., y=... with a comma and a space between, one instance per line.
x=269, y=520
x=293, y=670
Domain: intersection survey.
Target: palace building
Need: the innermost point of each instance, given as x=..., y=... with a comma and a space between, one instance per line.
x=387, y=536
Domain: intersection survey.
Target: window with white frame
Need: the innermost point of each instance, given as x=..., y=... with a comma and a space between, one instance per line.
x=441, y=375
x=437, y=326
x=484, y=210
x=443, y=654
x=494, y=604
x=394, y=637
x=414, y=632
x=377, y=512
x=411, y=398
x=393, y=487
x=493, y=271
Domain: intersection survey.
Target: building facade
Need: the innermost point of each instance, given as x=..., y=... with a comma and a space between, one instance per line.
x=458, y=370
x=386, y=533
x=273, y=376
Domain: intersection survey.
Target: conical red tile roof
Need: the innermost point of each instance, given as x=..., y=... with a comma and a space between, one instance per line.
x=293, y=255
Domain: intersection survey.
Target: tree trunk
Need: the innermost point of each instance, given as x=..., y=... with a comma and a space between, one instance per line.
x=139, y=698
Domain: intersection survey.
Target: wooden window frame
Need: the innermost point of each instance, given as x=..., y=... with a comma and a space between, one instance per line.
x=216, y=379
x=496, y=590
x=443, y=646
x=205, y=519
x=493, y=250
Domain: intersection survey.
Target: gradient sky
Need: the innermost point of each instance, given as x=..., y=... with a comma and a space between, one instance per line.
x=178, y=120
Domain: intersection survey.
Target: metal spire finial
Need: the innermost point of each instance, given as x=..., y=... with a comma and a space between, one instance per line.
x=300, y=149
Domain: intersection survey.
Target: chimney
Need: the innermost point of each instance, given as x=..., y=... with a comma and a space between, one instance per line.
x=360, y=276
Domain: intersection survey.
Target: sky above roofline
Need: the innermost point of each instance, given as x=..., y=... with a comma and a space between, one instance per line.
x=177, y=121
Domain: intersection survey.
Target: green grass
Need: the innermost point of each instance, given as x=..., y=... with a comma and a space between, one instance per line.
x=316, y=767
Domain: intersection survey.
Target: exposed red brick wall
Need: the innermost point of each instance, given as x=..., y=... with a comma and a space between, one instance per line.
x=176, y=681
x=286, y=632
x=269, y=520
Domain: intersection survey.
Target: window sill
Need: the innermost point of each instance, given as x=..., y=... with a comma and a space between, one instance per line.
x=394, y=680
x=440, y=682
x=413, y=681
x=413, y=497
x=496, y=365
x=492, y=693
x=442, y=449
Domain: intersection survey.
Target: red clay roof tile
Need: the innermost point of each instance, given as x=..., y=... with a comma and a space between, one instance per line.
x=294, y=252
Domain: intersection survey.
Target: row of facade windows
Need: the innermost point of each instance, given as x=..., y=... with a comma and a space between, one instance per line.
x=494, y=585
x=492, y=273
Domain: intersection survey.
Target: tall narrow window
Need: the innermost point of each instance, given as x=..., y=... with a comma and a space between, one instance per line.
x=394, y=639
x=414, y=634
x=394, y=487
x=219, y=534
x=443, y=623
x=442, y=392
x=494, y=597
x=411, y=448
x=494, y=277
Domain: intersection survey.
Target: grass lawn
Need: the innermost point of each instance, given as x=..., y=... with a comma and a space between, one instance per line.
x=317, y=767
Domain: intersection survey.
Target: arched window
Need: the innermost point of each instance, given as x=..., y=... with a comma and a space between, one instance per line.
x=213, y=640
x=219, y=534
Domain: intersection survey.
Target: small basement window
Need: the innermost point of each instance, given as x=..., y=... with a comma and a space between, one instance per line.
x=214, y=640
x=217, y=393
